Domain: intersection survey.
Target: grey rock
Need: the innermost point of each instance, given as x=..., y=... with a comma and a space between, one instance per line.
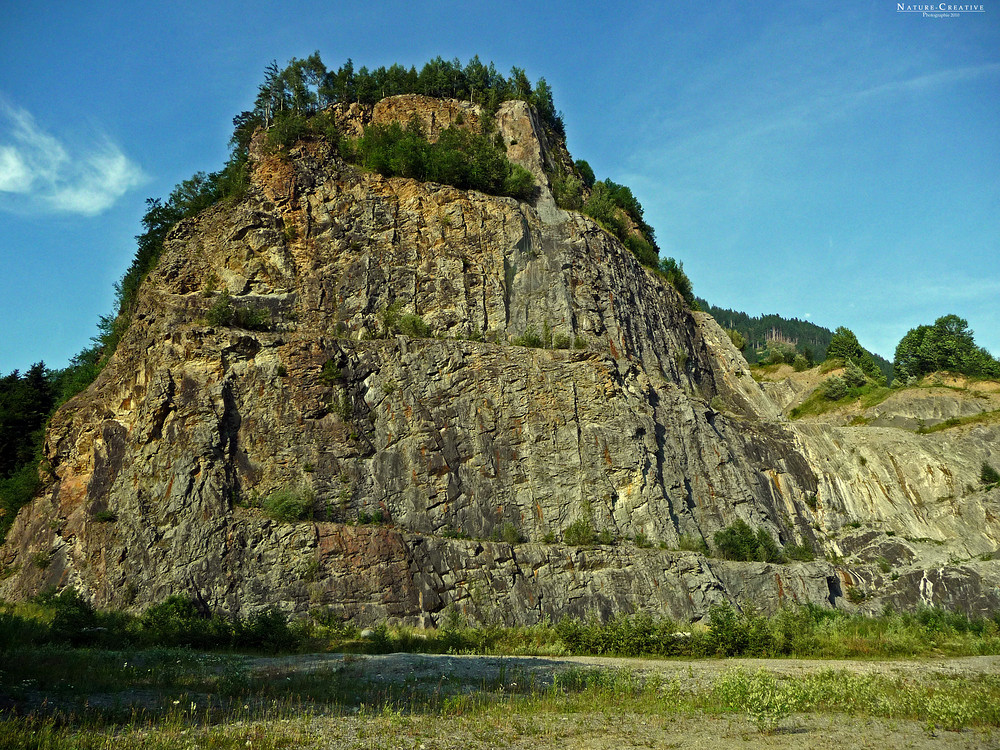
x=653, y=429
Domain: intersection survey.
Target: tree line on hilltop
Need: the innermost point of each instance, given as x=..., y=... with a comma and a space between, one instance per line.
x=947, y=345
x=809, y=339
x=306, y=86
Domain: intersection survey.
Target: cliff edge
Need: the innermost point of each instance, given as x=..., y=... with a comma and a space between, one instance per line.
x=390, y=382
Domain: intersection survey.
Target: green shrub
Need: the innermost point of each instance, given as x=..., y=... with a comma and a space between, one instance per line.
x=16, y=491
x=408, y=324
x=801, y=552
x=289, y=504
x=376, y=517
x=739, y=341
x=16, y=630
x=693, y=543
x=950, y=712
x=331, y=374
x=845, y=347
x=766, y=702
x=390, y=317
x=739, y=542
x=856, y=595
x=673, y=272
x=622, y=636
x=561, y=341
x=586, y=172
x=73, y=616
x=529, y=338
x=580, y=533
x=519, y=183
x=616, y=209
x=567, y=189
x=178, y=621
x=340, y=403
x=834, y=388
x=413, y=325
x=778, y=352
x=854, y=376
x=727, y=632
x=459, y=157
x=648, y=255
x=988, y=475
x=265, y=631
x=66, y=618
x=224, y=313
x=252, y=318
x=288, y=127
x=510, y=534
x=325, y=124
x=946, y=345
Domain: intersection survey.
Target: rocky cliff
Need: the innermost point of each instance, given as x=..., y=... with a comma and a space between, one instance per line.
x=639, y=421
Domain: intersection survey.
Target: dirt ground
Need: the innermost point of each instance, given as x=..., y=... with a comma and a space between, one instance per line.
x=540, y=731
x=625, y=731
x=694, y=673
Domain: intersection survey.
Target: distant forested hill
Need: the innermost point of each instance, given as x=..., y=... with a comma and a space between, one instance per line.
x=762, y=331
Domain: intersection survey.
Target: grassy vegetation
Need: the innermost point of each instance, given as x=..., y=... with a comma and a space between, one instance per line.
x=142, y=690
x=986, y=417
x=869, y=395
x=66, y=619
x=839, y=392
x=739, y=542
x=224, y=313
x=172, y=699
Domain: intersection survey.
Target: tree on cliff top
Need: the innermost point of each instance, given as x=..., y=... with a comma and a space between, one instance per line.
x=844, y=345
x=305, y=86
x=946, y=345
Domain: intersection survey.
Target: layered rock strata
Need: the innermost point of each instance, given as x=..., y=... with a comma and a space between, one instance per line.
x=638, y=421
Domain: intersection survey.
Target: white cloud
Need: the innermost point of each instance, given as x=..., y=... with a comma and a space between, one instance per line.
x=933, y=80
x=39, y=172
x=15, y=176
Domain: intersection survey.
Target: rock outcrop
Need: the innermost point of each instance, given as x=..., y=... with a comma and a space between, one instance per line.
x=638, y=420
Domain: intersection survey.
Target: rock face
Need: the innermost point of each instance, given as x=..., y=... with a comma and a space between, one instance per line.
x=639, y=421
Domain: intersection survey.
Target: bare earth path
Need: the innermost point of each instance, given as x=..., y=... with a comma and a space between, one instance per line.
x=618, y=731
x=693, y=672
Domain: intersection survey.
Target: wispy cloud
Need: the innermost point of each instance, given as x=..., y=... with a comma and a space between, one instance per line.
x=38, y=172
x=745, y=141
x=959, y=289
x=936, y=79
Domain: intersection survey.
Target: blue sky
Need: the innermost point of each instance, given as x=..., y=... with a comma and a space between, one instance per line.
x=837, y=162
